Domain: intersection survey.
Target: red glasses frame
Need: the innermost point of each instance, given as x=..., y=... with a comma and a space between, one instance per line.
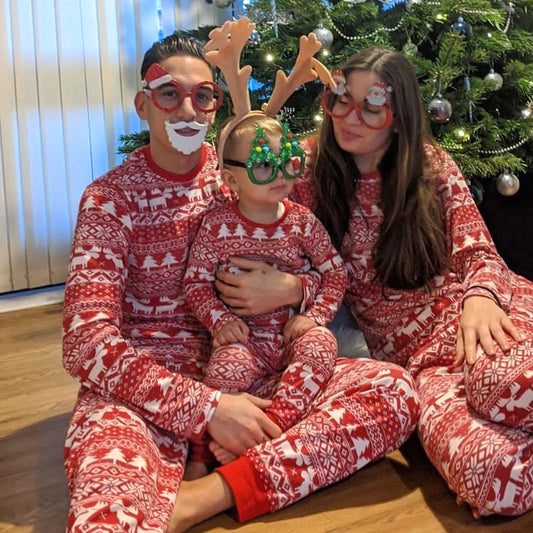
x=353, y=106
x=217, y=91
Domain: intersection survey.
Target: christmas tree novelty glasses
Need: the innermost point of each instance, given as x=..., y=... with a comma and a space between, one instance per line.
x=223, y=50
x=167, y=94
x=263, y=165
x=374, y=111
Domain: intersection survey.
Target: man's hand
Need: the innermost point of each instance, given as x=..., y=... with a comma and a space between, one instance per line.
x=485, y=322
x=296, y=327
x=239, y=422
x=260, y=289
x=230, y=332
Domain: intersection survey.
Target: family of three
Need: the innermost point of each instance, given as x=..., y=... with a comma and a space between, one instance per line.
x=197, y=297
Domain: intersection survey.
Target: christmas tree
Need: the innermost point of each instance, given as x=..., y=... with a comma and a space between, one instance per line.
x=474, y=60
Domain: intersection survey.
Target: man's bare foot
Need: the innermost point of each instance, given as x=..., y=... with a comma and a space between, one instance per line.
x=199, y=500
x=222, y=455
x=195, y=470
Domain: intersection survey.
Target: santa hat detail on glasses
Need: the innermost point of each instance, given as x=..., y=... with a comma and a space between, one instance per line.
x=155, y=77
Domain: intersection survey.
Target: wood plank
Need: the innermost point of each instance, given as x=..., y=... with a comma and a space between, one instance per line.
x=402, y=493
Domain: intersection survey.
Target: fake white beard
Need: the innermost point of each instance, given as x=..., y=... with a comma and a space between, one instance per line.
x=183, y=144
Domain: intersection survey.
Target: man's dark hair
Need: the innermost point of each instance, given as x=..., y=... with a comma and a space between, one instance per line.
x=176, y=44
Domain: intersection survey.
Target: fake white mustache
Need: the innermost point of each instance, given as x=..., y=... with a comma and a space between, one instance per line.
x=186, y=144
x=181, y=124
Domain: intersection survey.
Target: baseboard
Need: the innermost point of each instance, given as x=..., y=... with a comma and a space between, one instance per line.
x=31, y=298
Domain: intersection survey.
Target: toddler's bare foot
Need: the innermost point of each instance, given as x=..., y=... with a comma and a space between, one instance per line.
x=199, y=500
x=195, y=470
x=222, y=455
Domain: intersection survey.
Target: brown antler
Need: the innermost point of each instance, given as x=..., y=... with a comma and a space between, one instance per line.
x=224, y=51
x=306, y=68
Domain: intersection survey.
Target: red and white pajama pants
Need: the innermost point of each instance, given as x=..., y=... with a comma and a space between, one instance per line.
x=476, y=425
x=123, y=474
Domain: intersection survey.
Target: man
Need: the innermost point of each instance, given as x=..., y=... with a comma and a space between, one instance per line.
x=137, y=351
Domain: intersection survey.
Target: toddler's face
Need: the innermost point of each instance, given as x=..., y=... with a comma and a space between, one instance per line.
x=269, y=185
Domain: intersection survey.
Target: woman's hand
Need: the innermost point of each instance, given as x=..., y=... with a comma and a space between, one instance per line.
x=485, y=322
x=239, y=422
x=260, y=289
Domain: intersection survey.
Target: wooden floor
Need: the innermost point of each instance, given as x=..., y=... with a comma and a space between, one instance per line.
x=400, y=494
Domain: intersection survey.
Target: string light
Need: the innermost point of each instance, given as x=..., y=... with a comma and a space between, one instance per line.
x=306, y=132
x=367, y=35
x=439, y=16
x=509, y=148
x=525, y=113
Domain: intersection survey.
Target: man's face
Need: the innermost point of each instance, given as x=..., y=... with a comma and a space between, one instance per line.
x=183, y=128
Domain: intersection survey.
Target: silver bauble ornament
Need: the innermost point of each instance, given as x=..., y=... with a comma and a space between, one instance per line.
x=495, y=80
x=440, y=110
x=255, y=38
x=507, y=184
x=324, y=36
x=223, y=3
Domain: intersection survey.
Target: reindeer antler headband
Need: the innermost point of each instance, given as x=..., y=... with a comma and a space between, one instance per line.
x=224, y=51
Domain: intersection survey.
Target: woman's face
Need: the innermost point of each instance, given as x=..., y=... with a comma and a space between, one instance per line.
x=367, y=146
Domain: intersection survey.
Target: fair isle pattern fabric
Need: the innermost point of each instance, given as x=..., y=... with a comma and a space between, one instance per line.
x=139, y=353
x=367, y=409
x=296, y=243
x=123, y=474
x=130, y=340
x=304, y=368
x=475, y=427
x=488, y=464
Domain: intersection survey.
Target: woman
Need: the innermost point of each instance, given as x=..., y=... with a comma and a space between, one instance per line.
x=426, y=284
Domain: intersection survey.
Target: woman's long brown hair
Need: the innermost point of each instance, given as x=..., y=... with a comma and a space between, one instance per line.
x=411, y=247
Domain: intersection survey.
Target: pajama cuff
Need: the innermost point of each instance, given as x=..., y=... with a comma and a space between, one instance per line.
x=245, y=484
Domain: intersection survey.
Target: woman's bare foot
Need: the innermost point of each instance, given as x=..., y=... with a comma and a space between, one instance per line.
x=195, y=470
x=199, y=500
x=222, y=455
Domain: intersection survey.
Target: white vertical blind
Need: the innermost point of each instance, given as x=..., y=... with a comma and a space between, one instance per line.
x=69, y=74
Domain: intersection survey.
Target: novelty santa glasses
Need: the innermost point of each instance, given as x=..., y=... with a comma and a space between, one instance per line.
x=167, y=94
x=374, y=111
